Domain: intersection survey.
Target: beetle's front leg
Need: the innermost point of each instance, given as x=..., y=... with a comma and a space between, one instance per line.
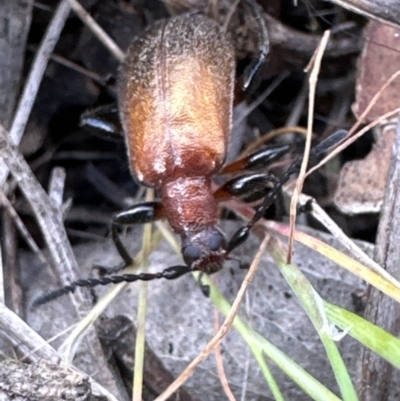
x=141, y=213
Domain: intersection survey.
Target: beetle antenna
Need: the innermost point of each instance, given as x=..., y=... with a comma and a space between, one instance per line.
x=169, y=274
x=263, y=44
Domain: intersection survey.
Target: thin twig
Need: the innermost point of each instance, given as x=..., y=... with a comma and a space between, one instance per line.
x=302, y=174
x=223, y=329
x=220, y=363
x=229, y=16
x=73, y=66
x=22, y=228
x=352, y=138
x=48, y=216
x=251, y=107
x=56, y=187
x=50, y=222
x=140, y=343
x=97, y=30
x=34, y=79
x=2, y=290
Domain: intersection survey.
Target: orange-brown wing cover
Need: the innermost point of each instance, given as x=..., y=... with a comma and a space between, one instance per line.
x=175, y=99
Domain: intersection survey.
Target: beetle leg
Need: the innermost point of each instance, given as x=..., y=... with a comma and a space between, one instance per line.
x=169, y=274
x=263, y=46
x=141, y=213
x=251, y=187
x=104, y=119
x=257, y=160
x=242, y=234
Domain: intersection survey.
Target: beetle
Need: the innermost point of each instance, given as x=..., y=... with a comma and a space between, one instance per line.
x=175, y=97
x=175, y=100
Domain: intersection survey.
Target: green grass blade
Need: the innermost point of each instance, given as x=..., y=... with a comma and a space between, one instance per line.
x=314, y=307
x=376, y=339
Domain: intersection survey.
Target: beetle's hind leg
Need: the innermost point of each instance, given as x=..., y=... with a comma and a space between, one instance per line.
x=257, y=160
x=253, y=186
x=316, y=153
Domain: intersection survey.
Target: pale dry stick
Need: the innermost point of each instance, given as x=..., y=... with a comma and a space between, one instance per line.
x=48, y=341
x=79, y=69
x=47, y=214
x=56, y=190
x=319, y=214
x=307, y=148
x=97, y=30
x=230, y=14
x=56, y=187
x=140, y=341
x=22, y=228
x=373, y=101
x=72, y=66
x=220, y=363
x=2, y=292
x=34, y=79
x=386, y=11
x=222, y=332
x=298, y=106
x=44, y=7
x=25, y=340
x=50, y=221
x=70, y=344
x=354, y=137
x=245, y=380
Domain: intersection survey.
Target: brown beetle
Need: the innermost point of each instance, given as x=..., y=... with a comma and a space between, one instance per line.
x=175, y=99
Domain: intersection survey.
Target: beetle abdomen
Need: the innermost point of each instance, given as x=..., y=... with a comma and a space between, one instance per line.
x=175, y=99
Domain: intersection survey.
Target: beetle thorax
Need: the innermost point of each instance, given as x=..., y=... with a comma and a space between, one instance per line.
x=189, y=204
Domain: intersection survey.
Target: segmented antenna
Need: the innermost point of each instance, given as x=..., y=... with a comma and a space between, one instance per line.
x=169, y=274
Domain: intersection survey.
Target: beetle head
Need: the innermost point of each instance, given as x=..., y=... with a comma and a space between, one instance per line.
x=204, y=250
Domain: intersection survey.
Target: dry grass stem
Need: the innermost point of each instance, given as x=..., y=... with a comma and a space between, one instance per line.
x=222, y=332
x=56, y=186
x=97, y=30
x=220, y=362
x=352, y=139
x=140, y=342
x=22, y=228
x=34, y=79
x=302, y=174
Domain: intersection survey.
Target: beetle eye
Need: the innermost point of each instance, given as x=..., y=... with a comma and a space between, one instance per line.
x=191, y=254
x=215, y=241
